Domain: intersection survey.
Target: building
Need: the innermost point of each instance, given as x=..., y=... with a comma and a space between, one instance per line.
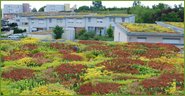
x=90, y=21
x=150, y=33
x=57, y=8
x=26, y=7
x=10, y=10
x=67, y=7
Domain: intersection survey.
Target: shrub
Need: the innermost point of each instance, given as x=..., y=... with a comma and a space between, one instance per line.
x=110, y=31
x=16, y=30
x=58, y=31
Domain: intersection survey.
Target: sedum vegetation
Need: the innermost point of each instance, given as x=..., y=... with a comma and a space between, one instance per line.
x=87, y=67
x=137, y=27
x=177, y=24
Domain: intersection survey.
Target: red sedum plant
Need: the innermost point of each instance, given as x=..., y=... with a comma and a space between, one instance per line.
x=18, y=74
x=100, y=88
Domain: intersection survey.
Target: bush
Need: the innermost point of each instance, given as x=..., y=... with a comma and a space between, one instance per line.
x=58, y=31
x=110, y=31
x=17, y=30
x=87, y=36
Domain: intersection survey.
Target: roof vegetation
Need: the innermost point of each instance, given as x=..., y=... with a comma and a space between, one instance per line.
x=177, y=24
x=140, y=27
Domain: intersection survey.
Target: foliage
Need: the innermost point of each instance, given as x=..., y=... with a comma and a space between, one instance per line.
x=58, y=31
x=110, y=31
x=18, y=74
x=95, y=73
x=50, y=89
x=16, y=30
x=31, y=67
x=100, y=88
x=177, y=24
x=29, y=40
x=136, y=27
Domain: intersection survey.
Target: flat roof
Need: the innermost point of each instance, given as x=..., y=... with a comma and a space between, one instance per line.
x=74, y=14
x=176, y=24
x=146, y=28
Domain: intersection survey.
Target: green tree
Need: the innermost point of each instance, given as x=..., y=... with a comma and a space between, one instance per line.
x=136, y=3
x=58, y=31
x=42, y=9
x=110, y=31
x=97, y=4
x=34, y=10
x=83, y=8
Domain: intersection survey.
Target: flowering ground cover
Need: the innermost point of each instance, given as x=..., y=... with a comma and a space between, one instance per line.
x=32, y=67
x=177, y=24
x=137, y=27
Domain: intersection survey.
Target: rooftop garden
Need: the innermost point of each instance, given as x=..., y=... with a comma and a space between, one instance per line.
x=149, y=28
x=32, y=67
x=177, y=24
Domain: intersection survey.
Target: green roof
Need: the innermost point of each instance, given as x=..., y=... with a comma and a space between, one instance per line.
x=141, y=27
x=177, y=24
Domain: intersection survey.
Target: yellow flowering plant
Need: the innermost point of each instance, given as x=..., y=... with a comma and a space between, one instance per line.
x=29, y=40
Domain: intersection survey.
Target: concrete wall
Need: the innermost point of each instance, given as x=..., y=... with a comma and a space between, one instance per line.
x=120, y=34
x=69, y=34
x=154, y=39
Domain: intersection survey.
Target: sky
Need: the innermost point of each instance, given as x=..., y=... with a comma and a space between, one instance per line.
x=38, y=4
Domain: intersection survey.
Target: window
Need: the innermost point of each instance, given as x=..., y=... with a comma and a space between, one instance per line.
x=41, y=21
x=70, y=21
x=141, y=39
x=50, y=20
x=99, y=20
x=123, y=19
x=171, y=40
x=89, y=19
x=79, y=21
x=59, y=20
x=50, y=28
x=112, y=19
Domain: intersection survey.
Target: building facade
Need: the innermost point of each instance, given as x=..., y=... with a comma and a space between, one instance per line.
x=57, y=8
x=90, y=22
x=10, y=10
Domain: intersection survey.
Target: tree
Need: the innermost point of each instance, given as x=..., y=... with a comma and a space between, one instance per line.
x=42, y=9
x=34, y=10
x=13, y=25
x=110, y=31
x=58, y=31
x=97, y=5
x=83, y=8
x=136, y=3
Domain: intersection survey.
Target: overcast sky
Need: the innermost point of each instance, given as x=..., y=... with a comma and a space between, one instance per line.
x=38, y=4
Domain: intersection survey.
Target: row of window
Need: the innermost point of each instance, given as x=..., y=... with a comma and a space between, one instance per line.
x=111, y=19
x=165, y=40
